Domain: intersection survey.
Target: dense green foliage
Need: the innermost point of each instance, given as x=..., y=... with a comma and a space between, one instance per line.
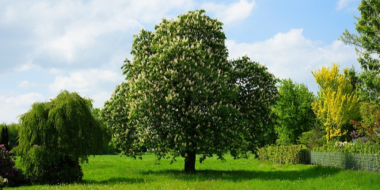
x=293, y=154
x=4, y=138
x=357, y=147
x=293, y=111
x=254, y=100
x=182, y=96
x=337, y=103
x=8, y=170
x=313, y=138
x=370, y=123
x=13, y=134
x=368, y=49
x=108, y=146
x=12, y=130
x=56, y=136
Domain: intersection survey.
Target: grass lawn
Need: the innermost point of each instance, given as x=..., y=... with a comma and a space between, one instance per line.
x=115, y=172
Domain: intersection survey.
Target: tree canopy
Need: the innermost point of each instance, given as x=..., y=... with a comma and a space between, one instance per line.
x=182, y=97
x=367, y=47
x=337, y=102
x=293, y=111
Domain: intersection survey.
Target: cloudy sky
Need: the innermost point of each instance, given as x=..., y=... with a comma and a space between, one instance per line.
x=80, y=45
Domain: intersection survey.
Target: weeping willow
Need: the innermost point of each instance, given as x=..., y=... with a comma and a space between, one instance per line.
x=56, y=136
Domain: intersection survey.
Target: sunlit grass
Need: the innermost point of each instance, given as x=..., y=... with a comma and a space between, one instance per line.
x=115, y=172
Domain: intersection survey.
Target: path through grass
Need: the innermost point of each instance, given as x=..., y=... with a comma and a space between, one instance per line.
x=115, y=172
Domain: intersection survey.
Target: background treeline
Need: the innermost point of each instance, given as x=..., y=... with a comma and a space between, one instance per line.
x=345, y=113
x=9, y=135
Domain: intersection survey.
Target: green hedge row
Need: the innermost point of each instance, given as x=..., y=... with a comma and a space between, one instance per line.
x=293, y=154
x=358, y=147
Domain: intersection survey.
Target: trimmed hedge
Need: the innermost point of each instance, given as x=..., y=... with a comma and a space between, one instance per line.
x=358, y=147
x=293, y=154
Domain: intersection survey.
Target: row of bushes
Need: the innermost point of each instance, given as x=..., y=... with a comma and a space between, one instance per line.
x=359, y=155
x=293, y=154
x=357, y=147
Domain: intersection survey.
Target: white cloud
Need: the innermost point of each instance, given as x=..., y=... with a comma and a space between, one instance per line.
x=71, y=34
x=25, y=67
x=342, y=4
x=232, y=12
x=55, y=71
x=100, y=97
x=95, y=84
x=85, y=81
x=63, y=33
x=12, y=107
x=291, y=55
x=22, y=100
x=26, y=84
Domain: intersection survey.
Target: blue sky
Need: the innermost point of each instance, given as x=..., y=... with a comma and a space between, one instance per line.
x=48, y=46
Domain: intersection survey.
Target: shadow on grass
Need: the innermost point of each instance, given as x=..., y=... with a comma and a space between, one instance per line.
x=242, y=175
x=115, y=180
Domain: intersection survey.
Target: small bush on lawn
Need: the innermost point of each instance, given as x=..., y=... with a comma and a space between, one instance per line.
x=293, y=154
x=10, y=175
x=64, y=171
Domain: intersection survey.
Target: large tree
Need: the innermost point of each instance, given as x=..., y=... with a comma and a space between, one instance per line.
x=56, y=136
x=367, y=47
x=337, y=102
x=181, y=96
x=293, y=110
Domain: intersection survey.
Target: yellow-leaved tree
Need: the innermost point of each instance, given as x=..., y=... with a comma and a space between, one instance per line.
x=337, y=103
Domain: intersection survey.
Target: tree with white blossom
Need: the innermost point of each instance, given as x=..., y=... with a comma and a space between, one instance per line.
x=182, y=97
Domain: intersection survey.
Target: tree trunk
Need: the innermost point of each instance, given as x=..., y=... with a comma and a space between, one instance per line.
x=190, y=161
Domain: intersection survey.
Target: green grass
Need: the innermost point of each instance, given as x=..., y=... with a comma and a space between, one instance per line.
x=115, y=172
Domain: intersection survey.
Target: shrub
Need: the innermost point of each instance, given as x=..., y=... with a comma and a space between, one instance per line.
x=9, y=174
x=313, y=138
x=65, y=170
x=370, y=124
x=293, y=154
x=357, y=147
